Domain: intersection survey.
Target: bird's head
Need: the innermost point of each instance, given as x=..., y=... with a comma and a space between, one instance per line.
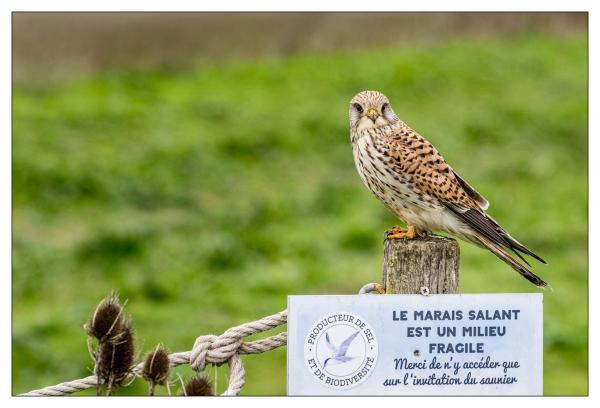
x=370, y=109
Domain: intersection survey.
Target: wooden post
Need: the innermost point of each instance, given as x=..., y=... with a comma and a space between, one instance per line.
x=431, y=262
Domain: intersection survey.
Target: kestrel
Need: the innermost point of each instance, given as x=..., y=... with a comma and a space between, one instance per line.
x=414, y=181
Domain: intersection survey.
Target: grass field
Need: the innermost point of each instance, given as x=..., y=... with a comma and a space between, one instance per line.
x=206, y=197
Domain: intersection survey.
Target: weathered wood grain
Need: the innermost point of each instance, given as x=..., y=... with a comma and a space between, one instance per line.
x=431, y=262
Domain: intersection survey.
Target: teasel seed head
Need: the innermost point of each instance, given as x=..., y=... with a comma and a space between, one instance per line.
x=156, y=367
x=116, y=358
x=198, y=386
x=107, y=319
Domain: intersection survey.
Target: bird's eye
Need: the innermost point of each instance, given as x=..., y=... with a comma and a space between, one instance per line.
x=358, y=107
x=384, y=107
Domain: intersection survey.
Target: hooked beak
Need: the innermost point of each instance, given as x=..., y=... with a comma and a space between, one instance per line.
x=372, y=114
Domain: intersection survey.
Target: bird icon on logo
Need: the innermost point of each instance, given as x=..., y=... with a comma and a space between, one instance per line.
x=338, y=354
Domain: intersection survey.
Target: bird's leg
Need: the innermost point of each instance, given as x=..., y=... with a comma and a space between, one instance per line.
x=399, y=233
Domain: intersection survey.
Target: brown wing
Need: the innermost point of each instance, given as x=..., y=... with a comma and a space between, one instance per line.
x=430, y=173
x=478, y=198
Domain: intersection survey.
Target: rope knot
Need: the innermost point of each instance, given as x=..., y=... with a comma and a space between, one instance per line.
x=214, y=349
x=207, y=349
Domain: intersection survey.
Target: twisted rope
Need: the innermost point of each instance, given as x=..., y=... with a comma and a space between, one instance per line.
x=207, y=349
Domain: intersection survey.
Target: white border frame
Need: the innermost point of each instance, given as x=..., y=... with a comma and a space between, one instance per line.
x=308, y=5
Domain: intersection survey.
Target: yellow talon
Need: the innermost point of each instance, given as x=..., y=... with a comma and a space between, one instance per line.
x=399, y=233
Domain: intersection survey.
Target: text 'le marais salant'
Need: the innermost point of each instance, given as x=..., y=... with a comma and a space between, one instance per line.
x=456, y=315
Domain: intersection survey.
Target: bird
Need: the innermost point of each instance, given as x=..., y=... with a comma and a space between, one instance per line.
x=412, y=179
x=338, y=355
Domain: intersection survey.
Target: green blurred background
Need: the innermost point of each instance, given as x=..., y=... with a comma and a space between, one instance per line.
x=200, y=164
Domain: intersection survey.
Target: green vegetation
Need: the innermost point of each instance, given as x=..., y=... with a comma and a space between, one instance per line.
x=207, y=197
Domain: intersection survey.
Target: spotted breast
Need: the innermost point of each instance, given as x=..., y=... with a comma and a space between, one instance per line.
x=394, y=163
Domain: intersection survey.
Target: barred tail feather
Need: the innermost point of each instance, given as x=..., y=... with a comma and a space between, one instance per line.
x=510, y=260
x=516, y=245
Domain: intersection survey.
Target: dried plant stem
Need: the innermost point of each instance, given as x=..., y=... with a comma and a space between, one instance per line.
x=109, y=386
x=97, y=369
x=216, y=378
x=182, y=385
x=151, y=388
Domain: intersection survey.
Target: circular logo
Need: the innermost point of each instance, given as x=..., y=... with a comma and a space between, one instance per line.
x=340, y=350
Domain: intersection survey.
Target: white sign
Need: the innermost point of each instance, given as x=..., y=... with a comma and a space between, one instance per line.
x=415, y=345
